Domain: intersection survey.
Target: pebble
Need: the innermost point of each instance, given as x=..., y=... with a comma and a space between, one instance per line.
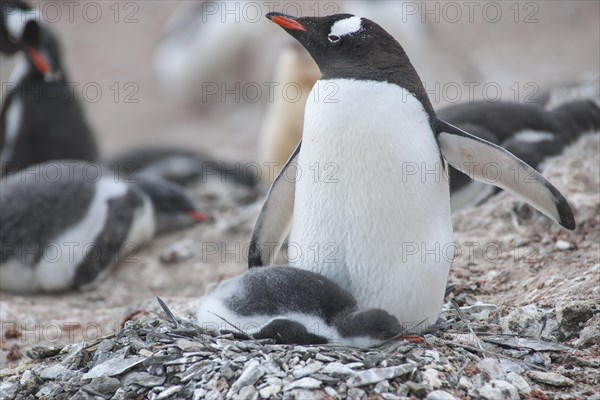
x=113, y=367
x=308, y=369
x=304, y=383
x=563, y=245
x=491, y=367
x=169, y=392
x=154, y=360
x=499, y=390
x=550, y=378
x=178, y=252
x=519, y=382
x=431, y=378
x=379, y=374
x=440, y=395
x=143, y=379
x=338, y=370
x=251, y=374
x=269, y=391
x=57, y=372
x=104, y=384
x=416, y=388
x=246, y=393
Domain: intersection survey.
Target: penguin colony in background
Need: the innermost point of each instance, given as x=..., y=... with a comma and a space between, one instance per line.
x=42, y=118
x=65, y=224
x=369, y=291
x=59, y=228
x=529, y=131
x=382, y=119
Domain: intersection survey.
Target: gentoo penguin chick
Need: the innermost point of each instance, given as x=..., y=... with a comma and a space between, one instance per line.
x=385, y=237
x=42, y=118
x=530, y=132
x=294, y=306
x=282, y=127
x=65, y=224
x=180, y=166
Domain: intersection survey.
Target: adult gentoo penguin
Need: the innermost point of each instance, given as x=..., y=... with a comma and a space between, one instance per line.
x=529, y=131
x=13, y=14
x=383, y=236
x=42, y=118
x=294, y=306
x=64, y=224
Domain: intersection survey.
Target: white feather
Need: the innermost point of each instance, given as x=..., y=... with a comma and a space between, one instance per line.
x=56, y=270
x=358, y=231
x=14, y=115
x=529, y=136
x=346, y=26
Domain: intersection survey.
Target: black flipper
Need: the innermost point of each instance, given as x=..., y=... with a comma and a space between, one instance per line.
x=275, y=218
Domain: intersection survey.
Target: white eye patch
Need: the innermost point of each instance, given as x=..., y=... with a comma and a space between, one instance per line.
x=346, y=26
x=17, y=19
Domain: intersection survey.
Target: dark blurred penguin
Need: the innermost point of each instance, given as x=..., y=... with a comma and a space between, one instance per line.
x=13, y=15
x=294, y=306
x=180, y=166
x=65, y=224
x=528, y=131
x=42, y=118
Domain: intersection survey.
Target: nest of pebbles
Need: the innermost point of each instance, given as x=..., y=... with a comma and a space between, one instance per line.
x=160, y=357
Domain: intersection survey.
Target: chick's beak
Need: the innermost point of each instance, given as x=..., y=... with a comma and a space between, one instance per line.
x=286, y=21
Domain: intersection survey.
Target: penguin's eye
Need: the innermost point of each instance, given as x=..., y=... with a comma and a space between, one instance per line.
x=333, y=38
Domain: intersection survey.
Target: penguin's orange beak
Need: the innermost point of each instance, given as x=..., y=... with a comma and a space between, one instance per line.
x=286, y=21
x=199, y=216
x=39, y=61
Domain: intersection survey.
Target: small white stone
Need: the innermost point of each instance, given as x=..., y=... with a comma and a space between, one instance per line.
x=431, y=378
x=499, y=390
x=440, y=395
x=550, y=378
x=304, y=383
x=563, y=245
x=519, y=382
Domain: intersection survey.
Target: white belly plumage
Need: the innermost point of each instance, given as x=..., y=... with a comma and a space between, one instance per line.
x=372, y=206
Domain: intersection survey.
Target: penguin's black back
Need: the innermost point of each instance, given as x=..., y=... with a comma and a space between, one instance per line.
x=281, y=290
x=37, y=210
x=502, y=119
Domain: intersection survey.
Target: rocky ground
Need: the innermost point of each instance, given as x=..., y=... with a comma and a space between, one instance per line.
x=527, y=290
x=522, y=322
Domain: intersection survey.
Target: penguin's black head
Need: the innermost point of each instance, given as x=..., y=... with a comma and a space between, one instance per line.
x=373, y=323
x=12, y=12
x=351, y=47
x=42, y=50
x=342, y=41
x=173, y=209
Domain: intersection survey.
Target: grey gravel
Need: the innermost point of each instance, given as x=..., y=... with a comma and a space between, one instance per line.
x=440, y=395
x=550, y=378
x=152, y=359
x=113, y=367
x=499, y=390
x=379, y=374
